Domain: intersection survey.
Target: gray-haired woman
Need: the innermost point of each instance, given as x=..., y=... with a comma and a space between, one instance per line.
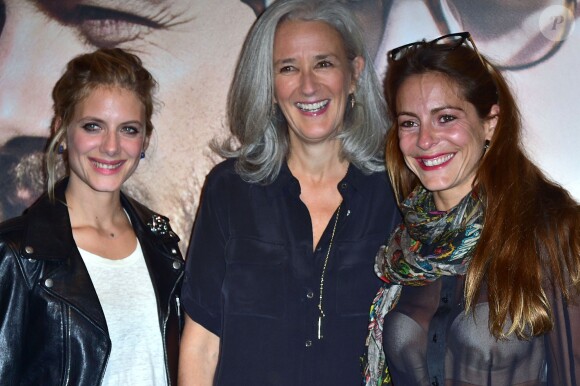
x=279, y=275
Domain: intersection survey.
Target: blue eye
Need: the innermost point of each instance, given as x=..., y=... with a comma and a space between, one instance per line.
x=131, y=130
x=91, y=127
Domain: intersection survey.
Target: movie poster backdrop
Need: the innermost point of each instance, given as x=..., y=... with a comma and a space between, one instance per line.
x=191, y=47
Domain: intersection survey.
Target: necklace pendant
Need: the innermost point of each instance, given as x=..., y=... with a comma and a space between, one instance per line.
x=320, y=327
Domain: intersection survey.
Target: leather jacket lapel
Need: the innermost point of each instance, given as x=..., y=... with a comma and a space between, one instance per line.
x=70, y=281
x=49, y=238
x=160, y=250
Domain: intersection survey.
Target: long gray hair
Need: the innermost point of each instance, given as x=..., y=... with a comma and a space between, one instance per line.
x=259, y=130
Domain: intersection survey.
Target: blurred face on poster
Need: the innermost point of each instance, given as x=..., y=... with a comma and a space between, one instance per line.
x=190, y=47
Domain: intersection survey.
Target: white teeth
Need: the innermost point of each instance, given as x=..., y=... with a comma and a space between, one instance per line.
x=437, y=161
x=312, y=107
x=106, y=166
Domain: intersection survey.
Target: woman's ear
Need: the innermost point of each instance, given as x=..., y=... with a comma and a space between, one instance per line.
x=56, y=123
x=58, y=129
x=491, y=121
x=146, y=143
x=358, y=65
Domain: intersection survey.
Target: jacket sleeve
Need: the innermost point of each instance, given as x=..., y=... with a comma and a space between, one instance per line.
x=13, y=314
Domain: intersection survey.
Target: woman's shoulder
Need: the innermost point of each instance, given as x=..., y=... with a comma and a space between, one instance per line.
x=559, y=212
x=223, y=169
x=15, y=242
x=376, y=183
x=38, y=214
x=151, y=221
x=223, y=173
x=12, y=230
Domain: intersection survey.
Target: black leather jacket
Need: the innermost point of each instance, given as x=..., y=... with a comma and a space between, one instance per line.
x=52, y=326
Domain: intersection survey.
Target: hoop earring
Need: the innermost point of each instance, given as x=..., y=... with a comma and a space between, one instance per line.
x=142, y=155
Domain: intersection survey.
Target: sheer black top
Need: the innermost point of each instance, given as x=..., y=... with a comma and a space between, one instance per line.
x=429, y=340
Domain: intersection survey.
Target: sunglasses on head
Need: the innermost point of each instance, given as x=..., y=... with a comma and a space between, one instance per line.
x=445, y=42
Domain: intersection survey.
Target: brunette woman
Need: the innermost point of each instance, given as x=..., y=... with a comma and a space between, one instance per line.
x=483, y=274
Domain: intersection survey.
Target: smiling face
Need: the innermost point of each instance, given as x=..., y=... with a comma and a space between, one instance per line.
x=104, y=140
x=189, y=46
x=441, y=136
x=312, y=79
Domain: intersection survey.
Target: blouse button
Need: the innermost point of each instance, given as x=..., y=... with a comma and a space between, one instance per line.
x=48, y=283
x=343, y=186
x=174, y=251
x=176, y=264
x=29, y=250
x=308, y=343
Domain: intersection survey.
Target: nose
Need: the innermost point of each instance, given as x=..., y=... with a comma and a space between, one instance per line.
x=110, y=145
x=427, y=137
x=308, y=83
x=33, y=52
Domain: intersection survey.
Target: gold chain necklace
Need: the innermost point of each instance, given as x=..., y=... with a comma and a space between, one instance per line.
x=323, y=272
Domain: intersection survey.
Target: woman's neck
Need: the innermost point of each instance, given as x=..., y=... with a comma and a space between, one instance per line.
x=87, y=207
x=317, y=163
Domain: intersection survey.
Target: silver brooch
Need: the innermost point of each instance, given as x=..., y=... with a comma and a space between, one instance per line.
x=159, y=225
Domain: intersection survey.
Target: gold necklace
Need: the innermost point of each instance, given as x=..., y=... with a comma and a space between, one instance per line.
x=323, y=272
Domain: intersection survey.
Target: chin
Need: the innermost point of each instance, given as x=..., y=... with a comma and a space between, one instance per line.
x=104, y=186
x=436, y=186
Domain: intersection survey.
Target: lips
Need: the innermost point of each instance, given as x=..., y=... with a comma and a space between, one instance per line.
x=106, y=166
x=314, y=107
x=428, y=163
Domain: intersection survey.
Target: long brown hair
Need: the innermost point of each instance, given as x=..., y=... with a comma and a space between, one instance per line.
x=531, y=233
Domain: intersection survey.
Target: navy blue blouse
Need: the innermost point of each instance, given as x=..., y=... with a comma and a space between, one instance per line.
x=253, y=279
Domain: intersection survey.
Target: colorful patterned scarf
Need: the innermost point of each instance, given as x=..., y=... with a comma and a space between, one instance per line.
x=427, y=245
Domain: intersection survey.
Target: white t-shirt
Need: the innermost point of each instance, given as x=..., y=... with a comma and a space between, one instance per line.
x=128, y=301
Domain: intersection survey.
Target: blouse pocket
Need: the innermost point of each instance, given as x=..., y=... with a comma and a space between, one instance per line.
x=255, y=280
x=357, y=282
